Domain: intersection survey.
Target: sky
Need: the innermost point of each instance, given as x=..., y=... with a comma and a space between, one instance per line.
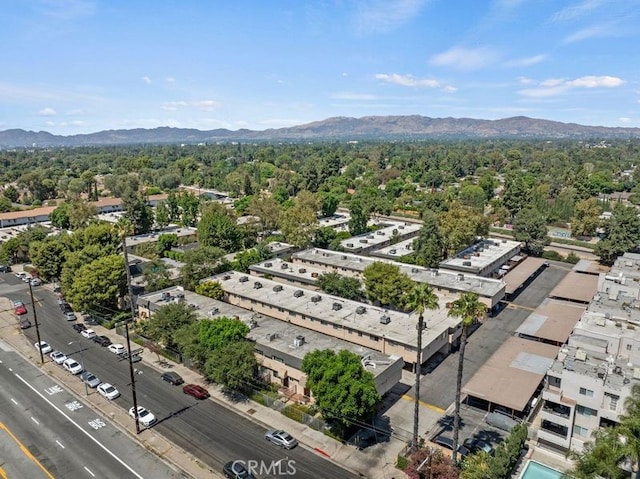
x=82, y=66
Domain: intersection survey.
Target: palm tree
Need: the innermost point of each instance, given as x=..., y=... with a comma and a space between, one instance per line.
x=629, y=428
x=420, y=298
x=469, y=309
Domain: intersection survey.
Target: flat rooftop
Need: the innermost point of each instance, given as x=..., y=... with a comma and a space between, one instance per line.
x=482, y=254
x=338, y=221
x=512, y=374
x=278, y=268
x=380, y=236
x=579, y=287
x=438, y=278
x=353, y=315
x=398, y=250
x=151, y=237
x=553, y=320
x=590, y=267
x=521, y=272
x=273, y=333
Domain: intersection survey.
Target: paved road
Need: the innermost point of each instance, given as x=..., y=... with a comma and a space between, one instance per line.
x=206, y=429
x=68, y=438
x=438, y=387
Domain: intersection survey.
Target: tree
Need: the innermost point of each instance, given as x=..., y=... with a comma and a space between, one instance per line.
x=420, y=299
x=514, y=195
x=601, y=457
x=358, y=221
x=385, y=284
x=60, y=216
x=324, y=236
x=343, y=389
x=586, y=218
x=161, y=327
x=299, y=224
x=211, y=289
x=11, y=193
x=330, y=204
x=156, y=276
x=216, y=333
x=338, y=285
x=428, y=247
x=162, y=218
x=460, y=226
x=98, y=285
x=233, y=365
x=218, y=228
x=80, y=213
x=470, y=310
x=48, y=256
x=530, y=227
x=138, y=212
x=621, y=234
x=166, y=241
x=473, y=196
x=267, y=209
x=431, y=463
x=200, y=263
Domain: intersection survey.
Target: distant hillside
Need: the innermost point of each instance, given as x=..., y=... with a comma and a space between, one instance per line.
x=412, y=127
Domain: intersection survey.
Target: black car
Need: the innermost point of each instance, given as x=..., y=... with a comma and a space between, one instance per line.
x=78, y=327
x=447, y=443
x=5, y=268
x=103, y=341
x=173, y=378
x=477, y=445
x=236, y=470
x=25, y=323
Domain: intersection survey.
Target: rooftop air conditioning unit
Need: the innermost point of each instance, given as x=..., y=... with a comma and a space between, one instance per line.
x=277, y=287
x=314, y=275
x=298, y=293
x=298, y=341
x=316, y=299
x=414, y=270
x=302, y=270
x=268, y=264
x=166, y=296
x=401, y=227
x=380, y=233
x=244, y=279
x=284, y=266
x=466, y=263
x=384, y=319
x=257, y=285
x=460, y=276
x=361, y=310
x=581, y=355
x=364, y=241
x=344, y=257
x=337, y=306
x=226, y=277
x=392, y=251
x=349, y=245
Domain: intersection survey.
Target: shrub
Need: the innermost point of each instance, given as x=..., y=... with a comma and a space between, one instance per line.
x=552, y=255
x=572, y=258
x=402, y=462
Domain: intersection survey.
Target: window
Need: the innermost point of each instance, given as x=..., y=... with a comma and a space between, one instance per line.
x=586, y=392
x=628, y=347
x=580, y=431
x=613, y=401
x=586, y=411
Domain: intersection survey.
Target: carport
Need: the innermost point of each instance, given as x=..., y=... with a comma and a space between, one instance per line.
x=576, y=287
x=521, y=274
x=551, y=322
x=511, y=376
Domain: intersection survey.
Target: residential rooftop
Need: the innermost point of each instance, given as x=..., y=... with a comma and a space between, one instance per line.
x=398, y=250
x=381, y=236
x=483, y=255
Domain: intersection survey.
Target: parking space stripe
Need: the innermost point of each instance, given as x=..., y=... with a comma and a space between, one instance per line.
x=425, y=404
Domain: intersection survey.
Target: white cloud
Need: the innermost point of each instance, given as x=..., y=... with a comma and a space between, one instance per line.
x=407, y=80
x=591, y=32
x=526, y=81
x=203, y=105
x=170, y=80
x=381, y=16
x=147, y=80
x=557, y=86
x=526, y=62
x=173, y=105
x=206, y=105
x=449, y=89
x=576, y=11
x=67, y=9
x=352, y=96
x=624, y=119
x=47, y=112
x=462, y=58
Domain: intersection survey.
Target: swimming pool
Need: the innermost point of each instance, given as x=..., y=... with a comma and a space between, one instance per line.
x=536, y=470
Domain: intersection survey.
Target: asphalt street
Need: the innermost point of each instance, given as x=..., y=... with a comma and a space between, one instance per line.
x=208, y=430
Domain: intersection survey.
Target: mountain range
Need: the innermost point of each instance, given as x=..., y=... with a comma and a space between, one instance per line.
x=411, y=127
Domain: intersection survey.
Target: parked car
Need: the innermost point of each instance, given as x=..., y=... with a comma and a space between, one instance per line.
x=116, y=348
x=144, y=416
x=101, y=340
x=78, y=328
x=44, y=347
x=196, y=391
x=20, y=309
x=236, y=470
x=108, y=390
x=36, y=282
x=88, y=333
x=72, y=366
x=90, y=379
x=477, y=445
x=447, y=443
x=58, y=357
x=25, y=323
x=281, y=438
x=5, y=268
x=70, y=316
x=172, y=378
x=21, y=275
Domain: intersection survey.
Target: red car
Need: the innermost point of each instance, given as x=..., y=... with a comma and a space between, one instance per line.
x=196, y=391
x=20, y=309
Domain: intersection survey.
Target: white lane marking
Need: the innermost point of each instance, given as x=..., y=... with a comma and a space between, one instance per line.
x=60, y=444
x=35, y=420
x=14, y=401
x=104, y=448
x=89, y=471
x=10, y=369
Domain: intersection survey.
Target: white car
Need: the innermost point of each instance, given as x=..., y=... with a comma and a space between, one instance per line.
x=116, y=348
x=44, y=347
x=144, y=416
x=36, y=282
x=72, y=366
x=58, y=356
x=109, y=391
x=88, y=333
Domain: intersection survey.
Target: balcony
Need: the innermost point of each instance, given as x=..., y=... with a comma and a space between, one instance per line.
x=556, y=409
x=554, y=429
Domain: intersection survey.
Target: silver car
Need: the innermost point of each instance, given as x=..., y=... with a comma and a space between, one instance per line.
x=90, y=379
x=281, y=438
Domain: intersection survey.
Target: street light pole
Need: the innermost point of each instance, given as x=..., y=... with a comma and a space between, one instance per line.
x=86, y=390
x=35, y=320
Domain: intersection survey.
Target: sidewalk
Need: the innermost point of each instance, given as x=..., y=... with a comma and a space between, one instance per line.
x=376, y=462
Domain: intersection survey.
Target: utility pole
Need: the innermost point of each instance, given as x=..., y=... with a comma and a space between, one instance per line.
x=35, y=320
x=416, y=406
x=123, y=235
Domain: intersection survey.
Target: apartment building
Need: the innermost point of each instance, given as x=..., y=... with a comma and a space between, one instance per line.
x=484, y=258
